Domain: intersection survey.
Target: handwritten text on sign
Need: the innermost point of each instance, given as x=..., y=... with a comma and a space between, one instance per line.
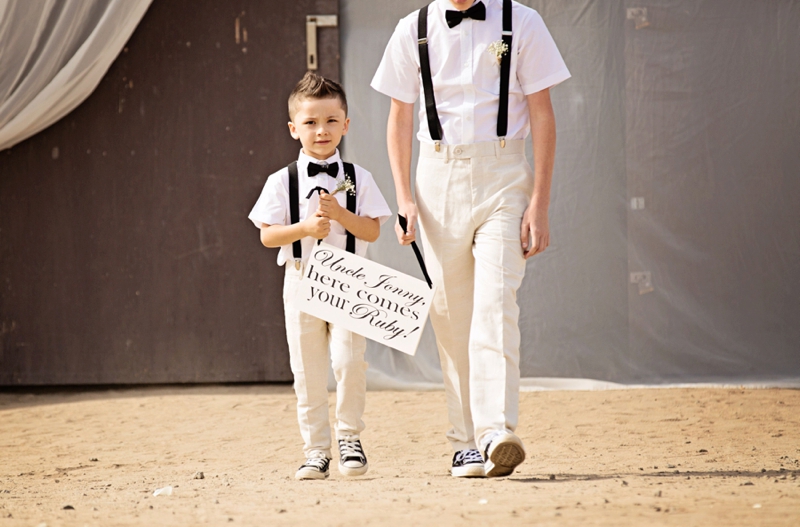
x=365, y=297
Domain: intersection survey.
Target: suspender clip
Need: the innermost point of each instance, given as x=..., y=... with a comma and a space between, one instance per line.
x=502, y=142
x=422, y=41
x=437, y=145
x=297, y=264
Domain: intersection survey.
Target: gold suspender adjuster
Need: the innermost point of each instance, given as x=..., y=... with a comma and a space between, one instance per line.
x=437, y=145
x=502, y=142
x=297, y=264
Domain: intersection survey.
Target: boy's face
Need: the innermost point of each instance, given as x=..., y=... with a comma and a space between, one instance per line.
x=319, y=124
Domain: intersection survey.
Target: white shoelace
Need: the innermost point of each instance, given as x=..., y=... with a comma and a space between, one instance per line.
x=466, y=457
x=316, y=462
x=351, y=449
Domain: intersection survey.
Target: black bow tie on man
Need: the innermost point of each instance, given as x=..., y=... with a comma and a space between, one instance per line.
x=476, y=12
x=332, y=170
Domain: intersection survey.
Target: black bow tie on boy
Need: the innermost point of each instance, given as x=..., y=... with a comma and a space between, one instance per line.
x=332, y=170
x=476, y=12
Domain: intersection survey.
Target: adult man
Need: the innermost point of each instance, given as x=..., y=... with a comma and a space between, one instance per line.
x=484, y=69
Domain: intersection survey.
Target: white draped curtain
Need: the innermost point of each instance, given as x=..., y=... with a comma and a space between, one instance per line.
x=53, y=53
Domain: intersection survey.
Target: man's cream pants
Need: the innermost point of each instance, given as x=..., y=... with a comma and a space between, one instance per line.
x=309, y=339
x=470, y=201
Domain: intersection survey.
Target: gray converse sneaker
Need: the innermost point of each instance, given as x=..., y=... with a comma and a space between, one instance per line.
x=352, y=460
x=503, y=454
x=314, y=468
x=467, y=464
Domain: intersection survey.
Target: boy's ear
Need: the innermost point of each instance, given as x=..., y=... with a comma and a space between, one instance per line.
x=346, y=126
x=293, y=130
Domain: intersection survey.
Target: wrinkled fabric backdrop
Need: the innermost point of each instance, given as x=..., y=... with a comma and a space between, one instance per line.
x=678, y=159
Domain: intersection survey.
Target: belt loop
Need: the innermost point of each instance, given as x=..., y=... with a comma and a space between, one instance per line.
x=446, y=153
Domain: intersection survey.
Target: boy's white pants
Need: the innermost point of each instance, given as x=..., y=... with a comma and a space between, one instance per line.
x=309, y=339
x=470, y=201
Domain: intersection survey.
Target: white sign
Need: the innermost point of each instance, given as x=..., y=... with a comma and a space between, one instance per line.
x=365, y=297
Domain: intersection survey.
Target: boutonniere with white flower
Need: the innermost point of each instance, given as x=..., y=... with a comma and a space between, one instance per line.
x=498, y=48
x=344, y=185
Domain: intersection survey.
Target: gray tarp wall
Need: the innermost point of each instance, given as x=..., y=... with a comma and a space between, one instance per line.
x=675, y=216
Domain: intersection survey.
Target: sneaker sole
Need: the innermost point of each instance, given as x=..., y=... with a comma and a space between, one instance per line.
x=504, y=457
x=353, y=471
x=310, y=474
x=468, y=471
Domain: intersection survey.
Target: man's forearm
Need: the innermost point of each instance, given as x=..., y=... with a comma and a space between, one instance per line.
x=543, y=136
x=399, y=134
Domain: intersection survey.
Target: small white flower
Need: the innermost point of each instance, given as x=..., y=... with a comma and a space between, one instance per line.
x=345, y=185
x=498, y=48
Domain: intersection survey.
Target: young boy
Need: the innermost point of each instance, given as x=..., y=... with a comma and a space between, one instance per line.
x=318, y=119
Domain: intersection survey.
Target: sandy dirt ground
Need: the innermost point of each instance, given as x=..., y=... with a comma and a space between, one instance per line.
x=694, y=456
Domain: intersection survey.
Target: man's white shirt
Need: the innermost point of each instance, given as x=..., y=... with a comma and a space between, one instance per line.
x=272, y=207
x=466, y=75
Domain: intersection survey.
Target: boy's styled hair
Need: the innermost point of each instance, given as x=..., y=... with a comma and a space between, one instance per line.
x=313, y=86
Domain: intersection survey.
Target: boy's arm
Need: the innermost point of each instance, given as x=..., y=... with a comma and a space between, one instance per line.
x=315, y=226
x=535, y=228
x=363, y=228
x=399, y=134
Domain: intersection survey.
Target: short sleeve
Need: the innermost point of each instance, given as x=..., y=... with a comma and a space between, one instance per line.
x=370, y=202
x=398, y=73
x=273, y=204
x=539, y=63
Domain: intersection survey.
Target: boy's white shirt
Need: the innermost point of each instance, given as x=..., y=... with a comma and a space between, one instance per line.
x=466, y=75
x=273, y=208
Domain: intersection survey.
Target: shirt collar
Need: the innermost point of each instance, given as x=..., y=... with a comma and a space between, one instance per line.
x=304, y=159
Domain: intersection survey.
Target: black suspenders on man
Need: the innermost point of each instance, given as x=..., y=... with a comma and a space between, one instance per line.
x=294, y=207
x=434, y=125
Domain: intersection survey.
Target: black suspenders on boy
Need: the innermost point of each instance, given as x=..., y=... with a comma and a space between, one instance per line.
x=434, y=125
x=350, y=175
x=294, y=207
